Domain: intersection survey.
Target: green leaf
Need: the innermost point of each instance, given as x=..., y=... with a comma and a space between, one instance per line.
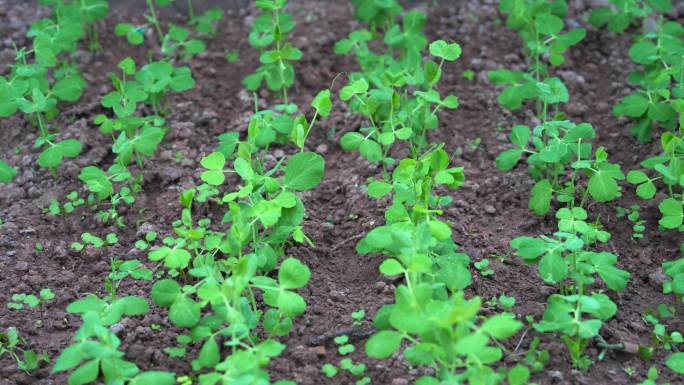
x=68, y=88
x=351, y=141
x=518, y=375
x=154, y=378
x=603, y=186
x=501, y=326
x=378, y=189
x=443, y=50
x=70, y=357
x=553, y=268
x=184, y=312
x=548, y=24
x=290, y=303
x=383, y=344
x=293, y=274
x=97, y=181
x=391, y=267
x=322, y=103
x=214, y=162
x=7, y=173
x=528, y=248
x=613, y=277
x=508, y=159
x=676, y=362
x=673, y=213
x=209, y=355
x=645, y=187
x=244, y=169
x=304, y=171
x=520, y=135
x=86, y=373
x=357, y=87
x=540, y=200
x=634, y=105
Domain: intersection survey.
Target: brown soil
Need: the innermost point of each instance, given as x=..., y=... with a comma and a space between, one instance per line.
x=487, y=213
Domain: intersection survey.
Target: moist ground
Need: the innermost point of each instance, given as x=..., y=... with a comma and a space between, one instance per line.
x=487, y=212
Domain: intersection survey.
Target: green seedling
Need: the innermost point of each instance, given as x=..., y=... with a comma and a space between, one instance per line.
x=121, y=270
x=358, y=317
x=652, y=377
x=566, y=260
x=88, y=239
x=94, y=352
x=177, y=39
x=232, y=56
x=41, y=77
x=329, y=370
x=269, y=36
x=633, y=215
x=621, y=14
x=381, y=91
x=207, y=22
x=20, y=300
x=483, y=267
x=73, y=201
x=540, y=25
x=659, y=100
x=144, y=244
x=344, y=347
x=227, y=262
x=536, y=359
x=469, y=75
x=503, y=301
x=11, y=344
x=660, y=336
x=561, y=160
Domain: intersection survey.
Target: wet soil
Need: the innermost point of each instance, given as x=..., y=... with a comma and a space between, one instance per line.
x=487, y=212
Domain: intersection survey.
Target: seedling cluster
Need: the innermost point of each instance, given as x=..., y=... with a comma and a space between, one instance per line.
x=228, y=273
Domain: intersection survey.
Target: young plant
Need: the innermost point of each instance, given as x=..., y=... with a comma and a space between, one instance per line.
x=207, y=22
x=12, y=344
x=659, y=99
x=269, y=35
x=30, y=300
x=73, y=201
x=561, y=160
x=395, y=90
x=566, y=259
x=540, y=25
x=89, y=239
x=227, y=266
x=40, y=78
x=632, y=214
x=7, y=173
x=620, y=14
x=122, y=270
x=94, y=352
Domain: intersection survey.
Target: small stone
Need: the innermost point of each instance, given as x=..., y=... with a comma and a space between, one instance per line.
x=144, y=229
x=322, y=148
x=380, y=286
x=21, y=266
x=556, y=375
x=400, y=381
x=657, y=277
x=489, y=209
x=319, y=350
x=116, y=328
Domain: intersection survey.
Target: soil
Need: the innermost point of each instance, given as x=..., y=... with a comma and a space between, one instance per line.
x=487, y=212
